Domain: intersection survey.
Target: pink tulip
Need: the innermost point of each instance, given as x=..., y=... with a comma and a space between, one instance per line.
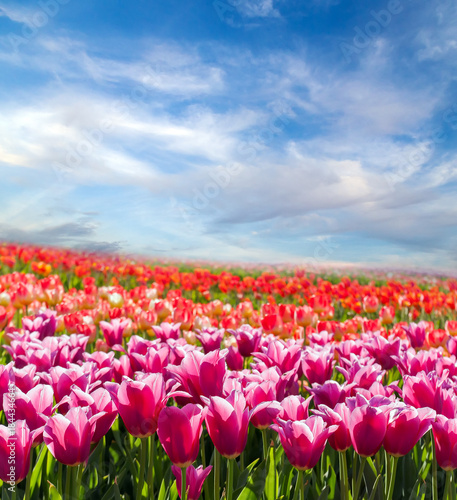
x=4, y=380
x=405, y=427
x=247, y=338
x=430, y=391
x=99, y=401
x=286, y=356
x=445, y=434
x=295, y=408
x=330, y=393
x=361, y=375
x=154, y=361
x=234, y=359
x=139, y=403
x=113, y=332
x=15, y=446
x=227, y=422
x=199, y=375
x=384, y=351
x=210, y=338
x=34, y=407
x=367, y=426
x=179, y=431
x=416, y=334
x=264, y=414
x=25, y=378
x=317, y=366
x=303, y=440
x=68, y=437
x=195, y=477
x=44, y=324
x=122, y=368
x=340, y=416
x=167, y=331
x=63, y=379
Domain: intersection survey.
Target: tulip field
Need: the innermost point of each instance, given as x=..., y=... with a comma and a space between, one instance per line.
x=130, y=379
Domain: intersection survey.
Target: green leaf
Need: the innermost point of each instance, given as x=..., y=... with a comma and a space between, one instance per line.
x=36, y=472
x=375, y=487
x=330, y=481
x=255, y=485
x=162, y=491
x=271, y=482
x=109, y=494
x=286, y=479
x=53, y=493
x=173, y=491
x=243, y=477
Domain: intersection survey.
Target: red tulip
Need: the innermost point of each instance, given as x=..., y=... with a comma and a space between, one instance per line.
x=179, y=432
x=303, y=440
x=195, y=477
x=227, y=422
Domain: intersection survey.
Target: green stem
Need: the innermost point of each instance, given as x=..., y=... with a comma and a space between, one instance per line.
x=13, y=493
x=298, y=493
x=203, y=452
x=434, y=472
x=266, y=453
x=183, y=484
x=59, y=478
x=27, y=481
x=447, y=487
x=217, y=473
x=144, y=454
x=44, y=475
x=388, y=472
x=78, y=479
x=151, y=466
x=393, y=473
x=344, y=476
x=355, y=492
x=354, y=470
x=68, y=480
x=230, y=467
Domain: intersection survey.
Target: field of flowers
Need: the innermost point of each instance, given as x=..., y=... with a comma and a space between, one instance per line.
x=123, y=379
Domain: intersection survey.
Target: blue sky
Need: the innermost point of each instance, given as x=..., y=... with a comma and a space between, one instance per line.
x=314, y=132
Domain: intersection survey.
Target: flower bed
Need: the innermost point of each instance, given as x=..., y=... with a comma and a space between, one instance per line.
x=119, y=379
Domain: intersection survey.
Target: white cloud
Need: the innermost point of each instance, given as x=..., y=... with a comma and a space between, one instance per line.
x=257, y=8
